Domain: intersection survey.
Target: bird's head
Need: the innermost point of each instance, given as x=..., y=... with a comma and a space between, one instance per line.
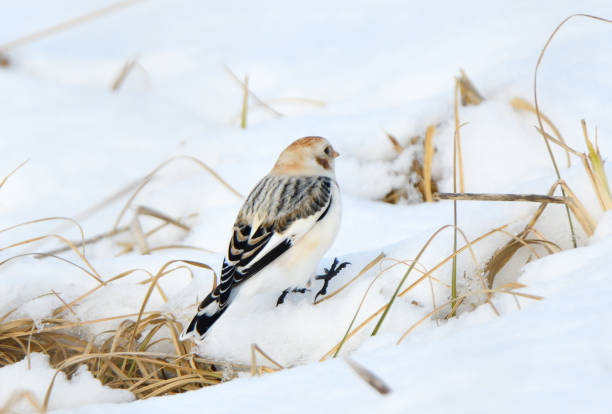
x=306, y=156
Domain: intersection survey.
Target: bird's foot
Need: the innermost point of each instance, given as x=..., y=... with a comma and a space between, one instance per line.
x=331, y=272
x=281, y=298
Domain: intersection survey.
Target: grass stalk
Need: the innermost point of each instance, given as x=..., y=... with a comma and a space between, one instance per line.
x=537, y=108
x=427, y=160
x=245, y=103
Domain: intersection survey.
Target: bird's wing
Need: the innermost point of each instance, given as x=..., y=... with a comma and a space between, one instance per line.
x=277, y=213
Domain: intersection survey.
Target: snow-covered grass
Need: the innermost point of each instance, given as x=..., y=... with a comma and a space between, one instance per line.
x=352, y=72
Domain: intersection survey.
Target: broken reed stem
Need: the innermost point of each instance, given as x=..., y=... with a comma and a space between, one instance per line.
x=66, y=25
x=534, y=198
x=535, y=98
x=571, y=202
x=427, y=160
x=245, y=102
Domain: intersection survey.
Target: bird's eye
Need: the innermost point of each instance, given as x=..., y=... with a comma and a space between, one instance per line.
x=328, y=151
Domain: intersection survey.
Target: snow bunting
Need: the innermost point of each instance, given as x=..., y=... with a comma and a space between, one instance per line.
x=284, y=227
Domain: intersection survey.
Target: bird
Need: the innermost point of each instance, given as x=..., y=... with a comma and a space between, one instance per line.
x=285, y=226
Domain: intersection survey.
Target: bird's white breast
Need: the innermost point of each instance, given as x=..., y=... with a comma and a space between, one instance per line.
x=296, y=266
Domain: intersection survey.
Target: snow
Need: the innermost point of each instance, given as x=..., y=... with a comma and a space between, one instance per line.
x=372, y=68
x=34, y=374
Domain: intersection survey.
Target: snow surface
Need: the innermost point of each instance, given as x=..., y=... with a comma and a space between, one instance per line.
x=35, y=375
x=379, y=67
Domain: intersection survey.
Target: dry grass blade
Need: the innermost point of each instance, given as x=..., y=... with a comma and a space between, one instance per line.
x=396, y=145
x=142, y=371
x=93, y=272
x=180, y=246
x=365, y=374
x=12, y=172
x=580, y=212
x=585, y=164
x=347, y=334
x=76, y=223
x=469, y=94
x=416, y=282
x=599, y=174
x=255, y=349
x=148, y=211
x=537, y=108
x=127, y=67
x=149, y=176
x=416, y=259
x=90, y=240
x=153, y=285
x=140, y=241
x=250, y=92
x=108, y=200
x=67, y=24
x=20, y=337
x=457, y=158
x=506, y=289
x=110, y=280
x=129, y=202
x=245, y=103
x=128, y=246
x=19, y=396
x=521, y=104
x=501, y=257
x=427, y=160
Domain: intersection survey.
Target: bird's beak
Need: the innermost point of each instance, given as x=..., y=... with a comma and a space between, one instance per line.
x=335, y=154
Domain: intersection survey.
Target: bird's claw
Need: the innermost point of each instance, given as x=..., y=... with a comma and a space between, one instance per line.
x=331, y=272
x=281, y=298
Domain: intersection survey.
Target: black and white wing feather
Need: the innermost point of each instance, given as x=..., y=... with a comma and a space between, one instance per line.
x=277, y=213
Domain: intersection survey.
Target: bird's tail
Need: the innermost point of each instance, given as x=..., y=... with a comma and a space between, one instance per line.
x=202, y=322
